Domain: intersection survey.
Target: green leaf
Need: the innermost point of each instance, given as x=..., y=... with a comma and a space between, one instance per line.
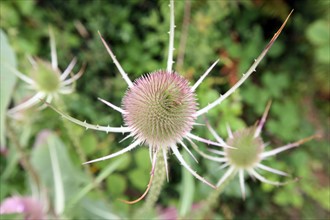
x=89, y=143
x=187, y=189
x=275, y=83
x=287, y=195
x=56, y=171
x=14, y=216
x=116, y=184
x=323, y=54
x=318, y=32
x=26, y=7
x=96, y=210
x=125, y=161
x=142, y=159
x=7, y=81
x=139, y=178
x=106, y=171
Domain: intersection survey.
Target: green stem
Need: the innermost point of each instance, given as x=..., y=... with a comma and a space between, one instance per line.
x=211, y=201
x=95, y=183
x=74, y=139
x=24, y=158
x=81, y=154
x=156, y=187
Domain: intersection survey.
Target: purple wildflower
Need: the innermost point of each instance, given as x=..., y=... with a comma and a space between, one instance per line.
x=30, y=207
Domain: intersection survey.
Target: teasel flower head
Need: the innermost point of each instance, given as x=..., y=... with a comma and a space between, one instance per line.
x=160, y=109
x=248, y=154
x=46, y=79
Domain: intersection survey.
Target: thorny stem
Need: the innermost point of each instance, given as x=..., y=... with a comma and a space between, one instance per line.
x=73, y=138
x=87, y=125
x=81, y=154
x=76, y=144
x=156, y=187
x=211, y=201
x=246, y=75
x=171, y=39
x=114, y=59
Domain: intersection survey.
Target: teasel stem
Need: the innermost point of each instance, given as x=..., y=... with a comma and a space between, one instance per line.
x=74, y=139
x=156, y=187
x=81, y=154
x=171, y=38
x=25, y=160
x=211, y=201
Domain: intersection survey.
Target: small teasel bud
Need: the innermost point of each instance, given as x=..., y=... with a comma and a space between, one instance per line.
x=247, y=153
x=248, y=148
x=46, y=78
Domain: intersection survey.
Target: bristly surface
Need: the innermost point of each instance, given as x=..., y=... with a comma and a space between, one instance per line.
x=159, y=108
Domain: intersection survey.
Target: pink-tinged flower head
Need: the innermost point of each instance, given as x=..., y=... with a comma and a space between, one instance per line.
x=30, y=207
x=159, y=108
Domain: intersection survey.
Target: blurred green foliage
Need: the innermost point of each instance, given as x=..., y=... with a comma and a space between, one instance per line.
x=294, y=75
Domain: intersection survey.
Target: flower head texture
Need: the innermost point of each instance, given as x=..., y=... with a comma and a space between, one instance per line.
x=248, y=154
x=160, y=109
x=46, y=79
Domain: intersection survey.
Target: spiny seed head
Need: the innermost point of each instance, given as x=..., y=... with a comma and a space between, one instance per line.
x=46, y=78
x=159, y=108
x=248, y=149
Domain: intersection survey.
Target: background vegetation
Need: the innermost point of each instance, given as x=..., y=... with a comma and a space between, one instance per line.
x=294, y=75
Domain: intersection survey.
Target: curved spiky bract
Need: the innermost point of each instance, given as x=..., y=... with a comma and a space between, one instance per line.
x=245, y=75
x=183, y=163
x=200, y=80
x=27, y=104
x=87, y=125
x=113, y=57
x=159, y=108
